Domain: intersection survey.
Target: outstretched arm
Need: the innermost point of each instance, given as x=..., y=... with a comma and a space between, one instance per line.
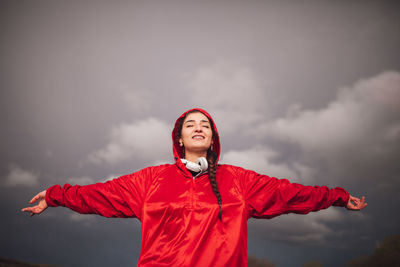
x=120, y=197
x=38, y=208
x=355, y=203
x=268, y=197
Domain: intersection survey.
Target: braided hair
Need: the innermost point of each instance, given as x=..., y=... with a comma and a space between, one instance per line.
x=211, y=159
x=212, y=174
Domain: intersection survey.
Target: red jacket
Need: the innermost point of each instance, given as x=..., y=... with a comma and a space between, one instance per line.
x=179, y=214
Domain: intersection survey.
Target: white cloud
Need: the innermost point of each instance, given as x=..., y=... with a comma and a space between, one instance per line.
x=83, y=219
x=261, y=160
x=295, y=228
x=20, y=177
x=84, y=180
x=111, y=177
x=352, y=139
x=230, y=92
x=148, y=139
x=363, y=120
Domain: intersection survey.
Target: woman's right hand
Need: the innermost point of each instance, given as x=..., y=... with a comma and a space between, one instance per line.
x=40, y=207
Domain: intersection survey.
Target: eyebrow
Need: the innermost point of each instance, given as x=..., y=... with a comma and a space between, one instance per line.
x=195, y=121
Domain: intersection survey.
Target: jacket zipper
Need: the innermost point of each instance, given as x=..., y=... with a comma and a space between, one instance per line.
x=193, y=189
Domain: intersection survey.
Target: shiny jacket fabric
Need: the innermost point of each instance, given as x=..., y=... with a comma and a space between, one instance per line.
x=179, y=214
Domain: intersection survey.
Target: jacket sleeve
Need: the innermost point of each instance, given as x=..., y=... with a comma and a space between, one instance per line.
x=268, y=197
x=121, y=197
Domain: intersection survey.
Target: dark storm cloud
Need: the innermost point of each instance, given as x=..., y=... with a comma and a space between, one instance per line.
x=361, y=126
x=84, y=83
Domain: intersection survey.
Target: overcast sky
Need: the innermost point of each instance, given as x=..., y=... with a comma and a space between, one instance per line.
x=304, y=90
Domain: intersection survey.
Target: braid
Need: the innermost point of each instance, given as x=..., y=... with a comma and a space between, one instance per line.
x=212, y=171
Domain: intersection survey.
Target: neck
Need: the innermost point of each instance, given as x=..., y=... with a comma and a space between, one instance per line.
x=194, y=156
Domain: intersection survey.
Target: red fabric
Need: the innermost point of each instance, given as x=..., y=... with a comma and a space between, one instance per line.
x=179, y=214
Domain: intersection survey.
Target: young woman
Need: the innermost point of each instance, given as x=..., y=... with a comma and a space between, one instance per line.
x=194, y=212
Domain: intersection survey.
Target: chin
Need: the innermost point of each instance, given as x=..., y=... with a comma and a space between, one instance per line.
x=199, y=148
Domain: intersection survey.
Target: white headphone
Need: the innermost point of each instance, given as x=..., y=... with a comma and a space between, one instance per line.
x=200, y=166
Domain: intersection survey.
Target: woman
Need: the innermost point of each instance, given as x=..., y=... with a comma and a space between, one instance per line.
x=194, y=212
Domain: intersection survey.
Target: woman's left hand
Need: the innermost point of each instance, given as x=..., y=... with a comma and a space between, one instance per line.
x=356, y=203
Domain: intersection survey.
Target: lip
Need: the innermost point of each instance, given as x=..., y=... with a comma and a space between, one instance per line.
x=198, y=135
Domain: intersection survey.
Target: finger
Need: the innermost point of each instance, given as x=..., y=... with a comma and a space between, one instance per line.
x=350, y=206
x=363, y=206
x=35, y=209
x=355, y=206
x=34, y=199
x=26, y=209
x=352, y=199
x=360, y=206
x=352, y=202
x=364, y=203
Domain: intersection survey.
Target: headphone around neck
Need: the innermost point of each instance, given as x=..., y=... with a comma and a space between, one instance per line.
x=200, y=166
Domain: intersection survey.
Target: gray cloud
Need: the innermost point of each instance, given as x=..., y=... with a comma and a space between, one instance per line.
x=314, y=228
x=82, y=81
x=261, y=159
x=231, y=91
x=363, y=114
x=361, y=126
x=146, y=139
x=18, y=176
x=83, y=180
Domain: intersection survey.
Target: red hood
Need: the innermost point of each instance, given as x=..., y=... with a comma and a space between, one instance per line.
x=177, y=149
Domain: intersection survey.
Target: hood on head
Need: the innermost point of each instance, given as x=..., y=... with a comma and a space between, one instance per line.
x=177, y=149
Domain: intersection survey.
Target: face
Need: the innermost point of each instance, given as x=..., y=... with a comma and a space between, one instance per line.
x=196, y=134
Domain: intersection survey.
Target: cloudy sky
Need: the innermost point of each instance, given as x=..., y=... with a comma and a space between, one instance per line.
x=305, y=90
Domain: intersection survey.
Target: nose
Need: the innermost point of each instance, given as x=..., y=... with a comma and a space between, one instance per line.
x=197, y=128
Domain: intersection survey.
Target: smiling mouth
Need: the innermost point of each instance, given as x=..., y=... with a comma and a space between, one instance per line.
x=198, y=137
